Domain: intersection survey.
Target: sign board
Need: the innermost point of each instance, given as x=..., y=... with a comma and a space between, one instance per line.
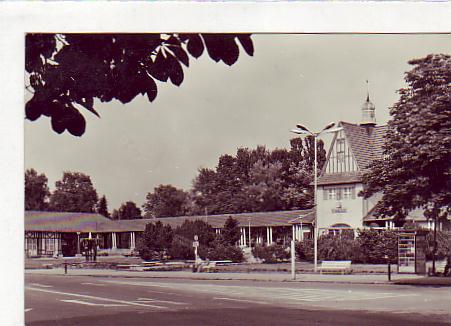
x=195, y=244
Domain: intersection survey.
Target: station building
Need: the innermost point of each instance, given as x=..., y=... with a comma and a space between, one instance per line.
x=352, y=150
x=58, y=233
x=339, y=207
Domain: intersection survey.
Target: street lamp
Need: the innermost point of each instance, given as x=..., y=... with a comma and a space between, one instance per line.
x=302, y=130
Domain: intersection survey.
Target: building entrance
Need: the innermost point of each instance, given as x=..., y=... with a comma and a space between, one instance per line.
x=69, y=244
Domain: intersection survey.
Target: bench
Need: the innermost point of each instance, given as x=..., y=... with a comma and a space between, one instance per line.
x=439, y=268
x=129, y=267
x=208, y=268
x=337, y=266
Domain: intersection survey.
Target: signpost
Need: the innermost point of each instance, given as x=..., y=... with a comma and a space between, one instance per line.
x=196, y=256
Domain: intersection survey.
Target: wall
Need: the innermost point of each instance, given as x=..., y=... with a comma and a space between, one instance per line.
x=350, y=212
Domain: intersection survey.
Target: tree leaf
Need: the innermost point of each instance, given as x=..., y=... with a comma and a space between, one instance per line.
x=195, y=45
x=159, y=68
x=175, y=70
x=33, y=109
x=75, y=122
x=246, y=42
x=151, y=89
x=180, y=54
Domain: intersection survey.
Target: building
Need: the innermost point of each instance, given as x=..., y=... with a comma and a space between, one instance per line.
x=339, y=207
x=58, y=233
x=352, y=150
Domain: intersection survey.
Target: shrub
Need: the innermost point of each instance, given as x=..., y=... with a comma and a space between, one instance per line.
x=155, y=241
x=443, y=244
x=181, y=248
x=374, y=245
x=337, y=247
x=221, y=251
x=304, y=250
x=271, y=254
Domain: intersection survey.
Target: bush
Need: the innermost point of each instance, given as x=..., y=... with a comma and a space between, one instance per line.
x=271, y=254
x=443, y=244
x=337, y=247
x=304, y=250
x=370, y=247
x=221, y=251
x=374, y=245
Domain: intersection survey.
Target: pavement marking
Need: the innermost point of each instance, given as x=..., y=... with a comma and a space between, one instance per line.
x=28, y=309
x=96, y=298
x=162, y=301
x=42, y=285
x=95, y=284
x=96, y=304
x=240, y=300
x=271, y=293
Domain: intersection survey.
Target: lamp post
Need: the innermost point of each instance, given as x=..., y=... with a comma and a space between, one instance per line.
x=301, y=130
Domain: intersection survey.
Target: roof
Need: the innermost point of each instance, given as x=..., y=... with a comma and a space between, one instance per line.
x=366, y=143
x=89, y=222
x=308, y=218
x=340, y=178
x=63, y=221
x=414, y=215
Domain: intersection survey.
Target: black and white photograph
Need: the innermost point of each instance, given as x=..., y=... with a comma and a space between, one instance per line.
x=235, y=177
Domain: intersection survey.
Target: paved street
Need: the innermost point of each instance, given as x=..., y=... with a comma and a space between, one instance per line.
x=86, y=300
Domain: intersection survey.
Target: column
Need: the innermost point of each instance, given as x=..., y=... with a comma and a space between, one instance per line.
x=113, y=241
x=270, y=235
x=244, y=237
x=132, y=240
x=241, y=237
x=267, y=235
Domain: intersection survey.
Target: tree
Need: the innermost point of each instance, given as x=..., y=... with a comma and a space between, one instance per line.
x=156, y=241
x=258, y=180
x=415, y=171
x=36, y=191
x=165, y=201
x=74, y=193
x=102, y=207
x=68, y=71
x=202, y=229
x=231, y=231
x=127, y=211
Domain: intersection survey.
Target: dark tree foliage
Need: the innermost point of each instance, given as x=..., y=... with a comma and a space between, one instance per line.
x=156, y=241
x=415, y=171
x=165, y=201
x=36, y=191
x=102, y=207
x=258, y=180
x=127, y=211
x=67, y=72
x=231, y=232
x=74, y=193
x=200, y=228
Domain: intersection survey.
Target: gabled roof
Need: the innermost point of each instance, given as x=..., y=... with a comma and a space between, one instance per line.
x=366, y=143
x=63, y=221
x=90, y=222
x=416, y=215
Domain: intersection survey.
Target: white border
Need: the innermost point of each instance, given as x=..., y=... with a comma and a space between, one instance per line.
x=17, y=18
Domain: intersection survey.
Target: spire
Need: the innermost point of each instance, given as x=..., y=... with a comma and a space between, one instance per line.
x=368, y=110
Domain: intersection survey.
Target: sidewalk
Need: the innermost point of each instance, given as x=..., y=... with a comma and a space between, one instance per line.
x=255, y=276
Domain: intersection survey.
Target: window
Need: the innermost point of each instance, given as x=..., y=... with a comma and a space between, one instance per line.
x=339, y=193
x=340, y=149
x=331, y=194
x=347, y=193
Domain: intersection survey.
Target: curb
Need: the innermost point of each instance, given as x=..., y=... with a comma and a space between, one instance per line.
x=217, y=278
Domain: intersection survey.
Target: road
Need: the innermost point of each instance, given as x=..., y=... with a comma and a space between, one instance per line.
x=83, y=300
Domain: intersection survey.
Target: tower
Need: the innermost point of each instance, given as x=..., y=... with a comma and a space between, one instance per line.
x=368, y=112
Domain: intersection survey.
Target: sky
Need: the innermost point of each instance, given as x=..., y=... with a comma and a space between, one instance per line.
x=292, y=78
